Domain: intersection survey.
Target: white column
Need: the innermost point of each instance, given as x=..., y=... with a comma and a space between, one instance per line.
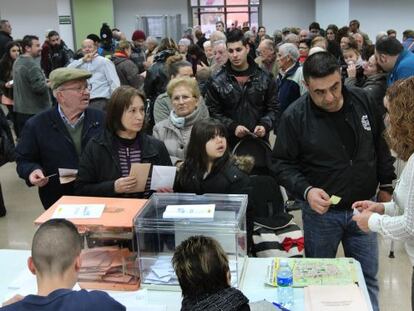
x=65, y=30
x=332, y=12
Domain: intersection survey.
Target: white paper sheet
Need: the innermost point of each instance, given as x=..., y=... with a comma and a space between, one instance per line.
x=190, y=211
x=79, y=211
x=163, y=177
x=67, y=175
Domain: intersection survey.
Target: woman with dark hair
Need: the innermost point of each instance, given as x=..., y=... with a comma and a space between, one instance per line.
x=331, y=32
x=197, y=57
x=156, y=78
x=208, y=166
x=105, y=165
x=202, y=269
x=13, y=50
x=395, y=219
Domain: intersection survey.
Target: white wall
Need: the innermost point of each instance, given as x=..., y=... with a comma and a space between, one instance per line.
x=125, y=12
x=332, y=12
x=30, y=17
x=382, y=15
x=277, y=14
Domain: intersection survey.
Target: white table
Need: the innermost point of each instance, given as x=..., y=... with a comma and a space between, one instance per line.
x=13, y=264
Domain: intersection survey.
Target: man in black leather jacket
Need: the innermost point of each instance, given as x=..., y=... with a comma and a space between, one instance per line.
x=241, y=95
x=330, y=142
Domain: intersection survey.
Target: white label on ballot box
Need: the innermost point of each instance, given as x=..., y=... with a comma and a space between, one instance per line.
x=79, y=211
x=196, y=211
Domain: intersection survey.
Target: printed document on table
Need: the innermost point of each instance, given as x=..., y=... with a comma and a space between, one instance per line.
x=163, y=177
x=79, y=211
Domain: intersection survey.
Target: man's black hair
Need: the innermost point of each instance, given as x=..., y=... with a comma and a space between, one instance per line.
x=94, y=37
x=28, y=41
x=320, y=65
x=314, y=25
x=236, y=35
x=389, y=46
x=52, y=33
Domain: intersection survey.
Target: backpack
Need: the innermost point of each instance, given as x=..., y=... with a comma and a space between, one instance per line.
x=278, y=236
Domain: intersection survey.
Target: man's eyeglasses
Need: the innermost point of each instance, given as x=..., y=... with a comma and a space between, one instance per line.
x=80, y=89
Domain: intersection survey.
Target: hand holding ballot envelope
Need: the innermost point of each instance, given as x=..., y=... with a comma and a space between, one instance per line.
x=363, y=210
x=162, y=178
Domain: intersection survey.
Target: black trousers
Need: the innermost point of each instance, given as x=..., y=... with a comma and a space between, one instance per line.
x=2, y=206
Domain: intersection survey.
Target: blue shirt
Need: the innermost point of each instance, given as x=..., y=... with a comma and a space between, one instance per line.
x=403, y=68
x=67, y=300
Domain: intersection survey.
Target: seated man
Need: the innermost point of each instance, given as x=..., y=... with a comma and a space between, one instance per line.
x=202, y=269
x=56, y=262
x=55, y=138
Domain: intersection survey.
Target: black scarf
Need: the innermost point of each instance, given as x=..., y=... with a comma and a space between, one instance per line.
x=228, y=299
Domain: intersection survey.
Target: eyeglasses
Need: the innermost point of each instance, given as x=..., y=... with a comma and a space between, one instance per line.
x=80, y=89
x=184, y=98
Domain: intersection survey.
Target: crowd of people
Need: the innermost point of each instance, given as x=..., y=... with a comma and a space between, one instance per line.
x=339, y=104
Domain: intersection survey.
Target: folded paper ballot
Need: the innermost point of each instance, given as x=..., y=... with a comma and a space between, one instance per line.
x=335, y=200
x=79, y=211
x=140, y=171
x=196, y=211
x=162, y=177
x=67, y=175
x=334, y=298
x=107, y=264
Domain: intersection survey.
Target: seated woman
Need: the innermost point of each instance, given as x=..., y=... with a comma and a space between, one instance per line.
x=208, y=166
x=105, y=164
x=176, y=67
x=202, y=269
x=175, y=131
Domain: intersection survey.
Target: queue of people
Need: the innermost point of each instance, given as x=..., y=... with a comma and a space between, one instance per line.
x=321, y=94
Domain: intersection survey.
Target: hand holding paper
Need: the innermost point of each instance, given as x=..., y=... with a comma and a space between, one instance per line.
x=140, y=171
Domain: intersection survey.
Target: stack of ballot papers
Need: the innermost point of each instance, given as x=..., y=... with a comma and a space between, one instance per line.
x=162, y=272
x=108, y=264
x=334, y=298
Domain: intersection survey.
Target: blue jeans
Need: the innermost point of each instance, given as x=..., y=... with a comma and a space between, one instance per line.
x=324, y=232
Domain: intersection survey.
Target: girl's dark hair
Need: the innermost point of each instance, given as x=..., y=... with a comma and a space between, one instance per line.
x=6, y=62
x=196, y=159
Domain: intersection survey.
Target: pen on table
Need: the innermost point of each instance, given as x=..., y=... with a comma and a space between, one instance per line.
x=280, y=306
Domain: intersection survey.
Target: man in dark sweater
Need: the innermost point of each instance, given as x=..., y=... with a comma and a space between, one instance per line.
x=31, y=92
x=330, y=142
x=5, y=35
x=56, y=262
x=56, y=137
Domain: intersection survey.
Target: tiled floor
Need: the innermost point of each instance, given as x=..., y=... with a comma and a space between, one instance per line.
x=23, y=206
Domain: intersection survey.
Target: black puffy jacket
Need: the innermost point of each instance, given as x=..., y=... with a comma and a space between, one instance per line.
x=309, y=151
x=254, y=103
x=99, y=165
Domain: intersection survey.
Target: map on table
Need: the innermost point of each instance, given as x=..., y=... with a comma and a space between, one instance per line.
x=316, y=271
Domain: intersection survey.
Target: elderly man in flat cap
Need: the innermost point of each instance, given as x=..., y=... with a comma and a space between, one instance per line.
x=54, y=139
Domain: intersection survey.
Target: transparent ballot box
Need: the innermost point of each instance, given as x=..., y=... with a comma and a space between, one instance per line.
x=168, y=219
x=108, y=256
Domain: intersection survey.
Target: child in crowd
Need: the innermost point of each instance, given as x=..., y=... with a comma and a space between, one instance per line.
x=208, y=166
x=202, y=269
x=355, y=64
x=56, y=262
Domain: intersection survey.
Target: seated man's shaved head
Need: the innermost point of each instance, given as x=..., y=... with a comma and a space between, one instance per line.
x=55, y=246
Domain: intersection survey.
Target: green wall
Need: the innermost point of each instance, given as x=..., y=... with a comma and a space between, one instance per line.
x=88, y=16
